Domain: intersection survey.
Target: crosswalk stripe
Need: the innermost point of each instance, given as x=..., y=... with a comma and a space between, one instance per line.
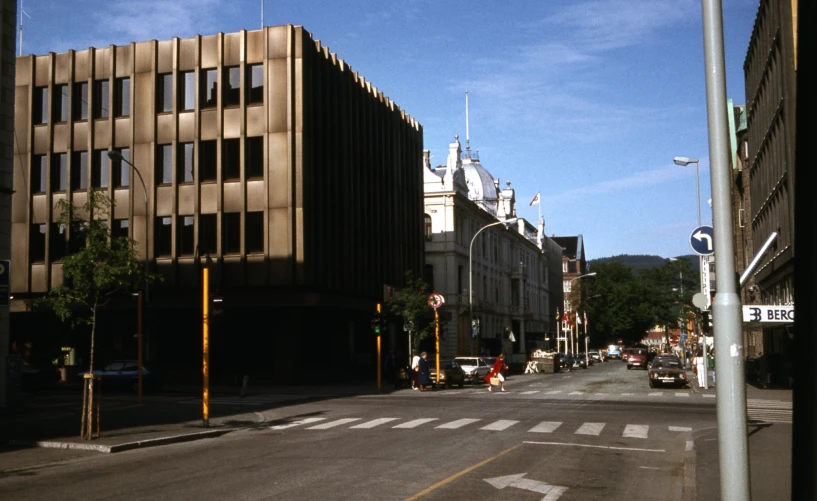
x=332, y=424
x=576, y=393
x=298, y=422
x=546, y=427
x=680, y=428
x=554, y=392
x=502, y=424
x=682, y=394
x=636, y=431
x=529, y=392
x=373, y=423
x=627, y=394
x=415, y=423
x=459, y=423
x=658, y=394
x=709, y=396
x=590, y=429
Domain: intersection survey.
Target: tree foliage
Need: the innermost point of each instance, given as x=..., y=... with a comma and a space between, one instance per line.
x=411, y=304
x=105, y=267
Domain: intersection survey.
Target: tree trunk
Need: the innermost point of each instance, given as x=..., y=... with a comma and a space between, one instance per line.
x=89, y=418
x=93, y=332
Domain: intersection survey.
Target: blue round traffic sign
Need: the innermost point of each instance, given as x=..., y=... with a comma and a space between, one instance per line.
x=702, y=240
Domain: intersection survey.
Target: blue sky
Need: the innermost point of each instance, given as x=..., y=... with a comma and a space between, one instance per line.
x=586, y=102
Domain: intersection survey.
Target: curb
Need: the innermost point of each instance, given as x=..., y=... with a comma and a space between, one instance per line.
x=690, y=476
x=110, y=449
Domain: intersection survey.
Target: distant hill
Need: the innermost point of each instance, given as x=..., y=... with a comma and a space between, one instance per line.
x=641, y=262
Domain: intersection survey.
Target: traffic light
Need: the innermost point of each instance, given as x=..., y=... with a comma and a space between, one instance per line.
x=706, y=322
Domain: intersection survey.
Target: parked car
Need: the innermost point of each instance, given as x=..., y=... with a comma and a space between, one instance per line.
x=580, y=360
x=475, y=368
x=637, y=357
x=595, y=356
x=123, y=375
x=665, y=371
x=450, y=374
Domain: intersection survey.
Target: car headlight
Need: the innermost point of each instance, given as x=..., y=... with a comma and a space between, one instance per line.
x=683, y=376
x=473, y=373
x=652, y=375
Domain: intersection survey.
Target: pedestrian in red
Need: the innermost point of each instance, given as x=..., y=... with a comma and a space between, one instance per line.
x=496, y=372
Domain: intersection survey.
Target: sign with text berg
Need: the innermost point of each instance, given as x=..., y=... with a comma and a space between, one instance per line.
x=768, y=313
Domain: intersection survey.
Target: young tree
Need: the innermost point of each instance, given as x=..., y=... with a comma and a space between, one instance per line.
x=412, y=305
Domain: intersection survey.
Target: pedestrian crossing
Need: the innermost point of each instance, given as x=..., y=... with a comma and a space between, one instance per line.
x=592, y=429
x=769, y=411
x=577, y=393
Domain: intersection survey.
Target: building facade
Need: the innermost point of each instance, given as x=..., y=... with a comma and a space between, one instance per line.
x=496, y=277
x=260, y=151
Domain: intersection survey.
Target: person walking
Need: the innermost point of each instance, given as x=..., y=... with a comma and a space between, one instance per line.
x=415, y=366
x=423, y=372
x=496, y=372
x=699, y=364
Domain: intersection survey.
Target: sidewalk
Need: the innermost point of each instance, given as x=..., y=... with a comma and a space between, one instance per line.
x=752, y=392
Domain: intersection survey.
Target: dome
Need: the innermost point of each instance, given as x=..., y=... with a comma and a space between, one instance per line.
x=481, y=187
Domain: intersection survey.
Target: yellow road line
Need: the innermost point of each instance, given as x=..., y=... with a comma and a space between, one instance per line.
x=457, y=475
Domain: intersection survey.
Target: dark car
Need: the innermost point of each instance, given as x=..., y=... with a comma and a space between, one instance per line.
x=450, y=374
x=665, y=371
x=123, y=375
x=581, y=360
x=637, y=357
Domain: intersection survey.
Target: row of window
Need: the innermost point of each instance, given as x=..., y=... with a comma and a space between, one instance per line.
x=183, y=163
x=183, y=88
x=60, y=246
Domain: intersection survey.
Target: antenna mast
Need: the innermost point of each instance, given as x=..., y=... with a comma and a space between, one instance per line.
x=262, y=14
x=21, y=26
x=467, y=133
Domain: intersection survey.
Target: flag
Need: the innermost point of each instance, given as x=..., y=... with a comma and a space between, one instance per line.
x=535, y=200
x=578, y=320
x=585, y=320
x=564, y=317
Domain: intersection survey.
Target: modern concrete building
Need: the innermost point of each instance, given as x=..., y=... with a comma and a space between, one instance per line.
x=506, y=281
x=261, y=151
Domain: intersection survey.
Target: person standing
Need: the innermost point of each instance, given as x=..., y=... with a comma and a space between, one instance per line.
x=415, y=366
x=423, y=372
x=496, y=372
x=699, y=362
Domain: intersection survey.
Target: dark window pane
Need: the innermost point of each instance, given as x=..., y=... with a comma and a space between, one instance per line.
x=37, y=243
x=209, y=88
x=187, y=92
x=80, y=101
x=99, y=169
x=122, y=97
x=231, y=233
x=79, y=170
x=186, y=242
x=60, y=103
x=59, y=172
x=232, y=86
x=254, y=233
x=120, y=228
x=58, y=244
x=40, y=106
x=164, y=164
x=254, y=157
x=256, y=80
x=164, y=236
x=77, y=239
x=164, y=93
x=39, y=173
x=207, y=234
x=231, y=159
x=184, y=163
x=207, y=161
x=101, y=99
x=121, y=170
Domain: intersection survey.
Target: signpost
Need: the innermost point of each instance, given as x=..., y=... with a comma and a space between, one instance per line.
x=702, y=240
x=435, y=301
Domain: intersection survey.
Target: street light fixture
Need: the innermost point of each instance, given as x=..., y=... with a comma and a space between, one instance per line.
x=471, y=267
x=683, y=162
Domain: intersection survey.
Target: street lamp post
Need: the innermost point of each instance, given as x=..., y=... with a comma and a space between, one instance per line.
x=471, y=268
x=117, y=156
x=684, y=161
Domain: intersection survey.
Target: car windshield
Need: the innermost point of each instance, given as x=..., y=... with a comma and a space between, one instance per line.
x=467, y=361
x=448, y=364
x=666, y=364
x=116, y=366
x=638, y=352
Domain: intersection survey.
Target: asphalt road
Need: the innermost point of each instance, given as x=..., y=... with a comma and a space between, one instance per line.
x=592, y=434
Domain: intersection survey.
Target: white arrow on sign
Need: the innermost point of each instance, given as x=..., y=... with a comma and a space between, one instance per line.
x=553, y=492
x=699, y=235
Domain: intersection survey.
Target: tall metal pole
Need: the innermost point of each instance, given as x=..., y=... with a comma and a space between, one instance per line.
x=698, y=192
x=139, y=350
x=205, y=343
x=726, y=307
x=379, y=354
x=437, y=342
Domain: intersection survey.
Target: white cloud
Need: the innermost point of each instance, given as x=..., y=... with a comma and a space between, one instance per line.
x=636, y=180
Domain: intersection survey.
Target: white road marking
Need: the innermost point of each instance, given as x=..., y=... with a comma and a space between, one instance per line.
x=576, y=393
x=459, y=423
x=546, y=427
x=689, y=446
x=530, y=392
x=709, y=396
x=590, y=429
x=372, y=424
x=627, y=394
x=415, y=423
x=679, y=428
x=502, y=424
x=590, y=446
x=332, y=424
x=298, y=422
x=682, y=394
x=554, y=392
x=656, y=394
x=636, y=431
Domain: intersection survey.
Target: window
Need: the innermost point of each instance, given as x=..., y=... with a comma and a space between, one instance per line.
x=566, y=287
x=121, y=97
x=231, y=233
x=184, y=163
x=164, y=164
x=564, y=266
x=207, y=234
x=164, y=93
x=40, y=106
x=120, y=228
x=207, y=161
x=187, y=91
x=232, y=86
x=254, y=157
x=60, y=103
x=99, y=169
x=79, y=170
x=77, y=239
x=164, y=236
x=37, y=243
x=231, y=159
x=80, y=101
x=255, y=79
x=427, y=226
x=120, y=170
x=186, y=243
x=39, y=173
x=58, y=245
x=59, y=172
x=208, y=94
x=101, y=99
x=254, y=233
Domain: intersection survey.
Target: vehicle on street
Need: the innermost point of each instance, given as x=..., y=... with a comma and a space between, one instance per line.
x=595, y=356
x=475, y=368
x=665, y=371
x=580, y=361
x=637, y=357
x=663, y=356
x=450, y=374
x=614, y=351
x=123, y=375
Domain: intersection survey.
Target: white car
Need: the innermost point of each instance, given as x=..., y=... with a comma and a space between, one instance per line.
x=475, y=368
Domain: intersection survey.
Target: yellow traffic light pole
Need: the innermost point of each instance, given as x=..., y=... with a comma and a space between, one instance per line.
x=377, y=329
x=205, y=362
x=437, y=342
